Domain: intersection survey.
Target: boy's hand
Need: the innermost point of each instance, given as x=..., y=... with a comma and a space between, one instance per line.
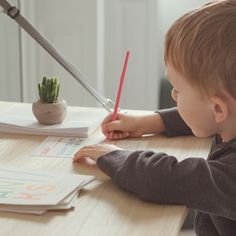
x=94, y=151
x=123, y=127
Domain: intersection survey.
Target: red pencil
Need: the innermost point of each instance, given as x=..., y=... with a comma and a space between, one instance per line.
x=119, y=91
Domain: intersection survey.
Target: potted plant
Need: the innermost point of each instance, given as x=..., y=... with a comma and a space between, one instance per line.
x=49, y=109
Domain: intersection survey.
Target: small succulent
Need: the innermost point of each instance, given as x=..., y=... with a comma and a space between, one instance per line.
x=49, y=90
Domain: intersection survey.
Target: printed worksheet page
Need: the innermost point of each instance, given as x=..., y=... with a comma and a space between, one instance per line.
x=68, y=146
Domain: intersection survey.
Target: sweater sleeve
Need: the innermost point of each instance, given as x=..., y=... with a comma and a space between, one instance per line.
x=175, y=125
x=207, y=186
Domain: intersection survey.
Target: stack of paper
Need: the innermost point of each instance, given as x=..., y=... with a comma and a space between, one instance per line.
x=19, y=119
x=36, y=192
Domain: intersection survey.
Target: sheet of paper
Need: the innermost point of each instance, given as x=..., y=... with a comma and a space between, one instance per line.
x=67, y=147
x=24, y=211
x=58, y=147
x=131, y=144
x=68, y=203
x=32, y=187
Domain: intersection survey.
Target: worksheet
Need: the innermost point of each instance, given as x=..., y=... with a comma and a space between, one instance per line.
x=67, y=146
x=59, y=147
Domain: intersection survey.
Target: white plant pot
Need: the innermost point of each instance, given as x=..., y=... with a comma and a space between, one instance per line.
x=50, y=113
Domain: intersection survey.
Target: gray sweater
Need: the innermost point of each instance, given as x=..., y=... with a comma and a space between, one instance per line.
x=208, y=186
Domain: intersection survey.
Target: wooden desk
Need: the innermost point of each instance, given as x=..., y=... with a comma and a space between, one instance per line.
x=102, y=209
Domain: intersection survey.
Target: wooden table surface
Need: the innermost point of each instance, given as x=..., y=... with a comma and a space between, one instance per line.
x=102, y=208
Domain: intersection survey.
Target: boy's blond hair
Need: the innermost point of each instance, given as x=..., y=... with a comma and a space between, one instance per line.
x=201, y=45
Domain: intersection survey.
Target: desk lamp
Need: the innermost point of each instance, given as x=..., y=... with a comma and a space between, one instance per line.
x=14, y=13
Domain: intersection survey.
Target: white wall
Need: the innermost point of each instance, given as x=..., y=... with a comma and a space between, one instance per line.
x=10, y=75
x=93, y=36
x=71, y=27
x=132, y=25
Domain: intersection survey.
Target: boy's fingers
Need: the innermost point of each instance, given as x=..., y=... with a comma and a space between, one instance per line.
x=125, y=135
x=112, y=126
x=107, y=119
x=118, y=135
x=83, y=152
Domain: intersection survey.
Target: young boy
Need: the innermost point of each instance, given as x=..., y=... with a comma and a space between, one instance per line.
x=200, y=55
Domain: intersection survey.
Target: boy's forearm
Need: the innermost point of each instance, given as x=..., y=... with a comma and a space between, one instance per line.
x=158, y=177
x=152, y=123
x=167, y=121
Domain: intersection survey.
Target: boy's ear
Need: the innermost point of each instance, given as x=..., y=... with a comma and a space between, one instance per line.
x=220, y=109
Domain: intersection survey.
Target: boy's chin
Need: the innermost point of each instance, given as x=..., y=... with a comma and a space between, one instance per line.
x=200, y=134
